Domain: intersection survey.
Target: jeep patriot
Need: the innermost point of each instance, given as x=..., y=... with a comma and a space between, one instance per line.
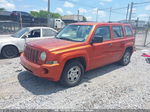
x=78, y=48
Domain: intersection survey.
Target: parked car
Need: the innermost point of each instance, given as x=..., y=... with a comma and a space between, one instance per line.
x=79, y=47
x=12, y=45
x=26, y=17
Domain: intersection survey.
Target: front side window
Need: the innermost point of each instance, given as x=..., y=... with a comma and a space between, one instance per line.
x=117, y=31
x=34, y=33
x=78, y=33
x=48, y=32
x=104, y=32
x=128, y=31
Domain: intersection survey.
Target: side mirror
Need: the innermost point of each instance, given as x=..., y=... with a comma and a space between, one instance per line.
x=97, y=39
x=25, y=36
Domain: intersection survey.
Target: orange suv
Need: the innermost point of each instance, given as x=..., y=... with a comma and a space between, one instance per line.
x=77, y=48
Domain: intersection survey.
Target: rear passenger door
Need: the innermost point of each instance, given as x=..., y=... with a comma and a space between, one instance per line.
x=118, y=42
x=48, y=33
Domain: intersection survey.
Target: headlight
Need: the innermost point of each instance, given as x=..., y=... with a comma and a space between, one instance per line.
x=43, y=56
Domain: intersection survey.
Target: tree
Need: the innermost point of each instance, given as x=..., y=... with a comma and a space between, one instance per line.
x=84, y=18
x=43, y=13
x=2, y=9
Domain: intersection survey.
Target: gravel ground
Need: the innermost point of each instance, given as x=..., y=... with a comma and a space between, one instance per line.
x=112, y=86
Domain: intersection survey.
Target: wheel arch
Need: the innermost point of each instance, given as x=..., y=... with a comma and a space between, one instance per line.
x=129, y=48
x=9, y=45
x=81, y=59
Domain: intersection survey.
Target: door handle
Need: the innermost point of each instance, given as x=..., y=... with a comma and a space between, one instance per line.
x=110, y=44
x=123, y=42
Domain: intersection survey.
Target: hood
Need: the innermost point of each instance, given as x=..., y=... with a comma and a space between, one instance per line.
x=6, y=38
x=53, y=44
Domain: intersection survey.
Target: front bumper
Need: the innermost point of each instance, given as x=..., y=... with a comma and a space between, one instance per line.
x=51, y=72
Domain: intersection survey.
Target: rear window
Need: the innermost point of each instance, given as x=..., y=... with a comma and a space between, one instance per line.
x=117, y=31
x=128, y=31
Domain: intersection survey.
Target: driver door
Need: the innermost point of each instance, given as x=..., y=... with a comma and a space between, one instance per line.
x=34, y=35
x=102, y=54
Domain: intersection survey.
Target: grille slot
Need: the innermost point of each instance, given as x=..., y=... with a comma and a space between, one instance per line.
x=32, y=54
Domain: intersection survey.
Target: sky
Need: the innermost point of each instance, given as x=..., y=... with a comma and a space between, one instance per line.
x=87, y=8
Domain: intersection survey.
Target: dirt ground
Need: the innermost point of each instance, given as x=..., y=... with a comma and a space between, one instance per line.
x=112, y=86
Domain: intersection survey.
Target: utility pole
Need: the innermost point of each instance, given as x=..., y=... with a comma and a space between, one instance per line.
x=146, y=33
x=78, y=15
x=48, y=9
x=20, y=17
x=110, y=13
x=97, y=15
x=131, y=9
x=49, y=16
x=127, y=12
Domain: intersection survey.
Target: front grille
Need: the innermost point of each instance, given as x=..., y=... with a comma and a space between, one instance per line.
x=32, y=54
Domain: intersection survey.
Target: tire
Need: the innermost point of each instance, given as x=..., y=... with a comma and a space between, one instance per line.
x=125, y=60
x=10, y=52
x=70, y=79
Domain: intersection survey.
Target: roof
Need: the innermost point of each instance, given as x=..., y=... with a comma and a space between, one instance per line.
x=97, y=23
x=32, y=28
x=5, y=13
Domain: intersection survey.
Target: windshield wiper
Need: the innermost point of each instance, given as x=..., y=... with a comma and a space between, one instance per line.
x=65, y=39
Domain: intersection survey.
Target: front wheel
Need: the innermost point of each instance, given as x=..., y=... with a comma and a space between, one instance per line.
x=126, y=58
x=10, y=52
x=72, y=74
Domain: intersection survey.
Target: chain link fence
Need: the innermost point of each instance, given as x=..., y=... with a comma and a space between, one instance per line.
x=143, y=37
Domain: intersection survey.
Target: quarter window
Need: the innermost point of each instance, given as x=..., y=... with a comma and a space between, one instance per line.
x=104, y=32
x=128, y=31
x=117, y=31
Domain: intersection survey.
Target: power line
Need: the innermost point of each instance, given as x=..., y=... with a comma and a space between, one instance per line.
x=117, y=13
x=142, y=3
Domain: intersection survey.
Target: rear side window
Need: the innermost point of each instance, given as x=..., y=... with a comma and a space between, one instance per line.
x=117, y=31
x=103, y=31
x=48, y=32
x=128, y=31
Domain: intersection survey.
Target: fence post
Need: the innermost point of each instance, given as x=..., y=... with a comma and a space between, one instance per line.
x=136, y=27
x=146, y=33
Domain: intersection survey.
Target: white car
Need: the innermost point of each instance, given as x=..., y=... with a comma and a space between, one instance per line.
x=12, y=45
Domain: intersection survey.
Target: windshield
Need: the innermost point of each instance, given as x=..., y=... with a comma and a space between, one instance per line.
x=78, y=33
x=20, y=32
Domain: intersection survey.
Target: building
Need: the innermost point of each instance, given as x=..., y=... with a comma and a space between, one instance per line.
x=72, y=18
x=134, y=23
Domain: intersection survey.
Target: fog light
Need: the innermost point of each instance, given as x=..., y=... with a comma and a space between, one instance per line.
x=52, y=62
x=45, y=71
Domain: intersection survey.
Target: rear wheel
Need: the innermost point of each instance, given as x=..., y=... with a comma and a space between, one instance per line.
x=72, y=74
x=126, y=58
x=10, y=52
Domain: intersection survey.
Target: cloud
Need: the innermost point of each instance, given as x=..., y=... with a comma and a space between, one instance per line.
x=82, y=10
x=69, y=12
x=7, y=5
x=102, y=3
x=59, y=10
x=68, y=4
x=147, y=7
x=100, y=12
x=105, y=0
x=89, y=18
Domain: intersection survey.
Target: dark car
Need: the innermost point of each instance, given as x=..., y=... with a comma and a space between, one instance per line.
x=18, y=15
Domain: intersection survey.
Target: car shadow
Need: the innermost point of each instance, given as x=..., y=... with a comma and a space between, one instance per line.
x=1, y=57
x=41, y=86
